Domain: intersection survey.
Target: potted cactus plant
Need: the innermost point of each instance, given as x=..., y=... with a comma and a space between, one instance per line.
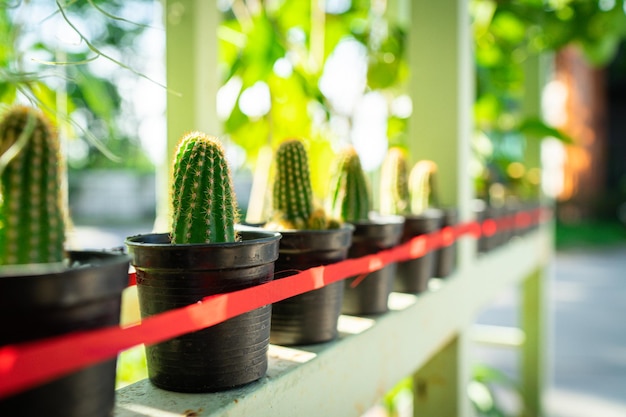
x=309, y=238
x=205, y=253
x=397, y=197
x=423, y=197
x=350, y=201
x=45, y=290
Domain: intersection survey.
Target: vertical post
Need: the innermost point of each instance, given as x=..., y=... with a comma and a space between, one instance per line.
x=533, y=351
x=534, y=320
x=440, y=128
x=442, y=91
x=439, y=388
x=191, y=60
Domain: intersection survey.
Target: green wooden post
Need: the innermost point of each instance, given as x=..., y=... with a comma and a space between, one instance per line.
x=442, y=92
x=191, y=61
x=440, y=384
x=533, y=377
x=533, y=304
x=440, y=129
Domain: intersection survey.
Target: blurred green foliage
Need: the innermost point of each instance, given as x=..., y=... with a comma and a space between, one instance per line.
x=507, y=33
x=285, y=45
x=64, y=79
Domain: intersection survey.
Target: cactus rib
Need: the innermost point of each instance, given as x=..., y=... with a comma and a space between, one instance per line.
x=394, y=190
x=32, y=210
x=204, y=204
x=422, y=186
x=350, y=198
x=292, y=196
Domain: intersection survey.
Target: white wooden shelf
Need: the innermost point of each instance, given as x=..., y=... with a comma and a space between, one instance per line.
x=348, y=376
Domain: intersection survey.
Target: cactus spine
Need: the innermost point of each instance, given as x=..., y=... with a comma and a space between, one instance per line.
x=292, y=195
x=349, y=192
x=394, y=189
x=204, y=204
x=422, y=188
x=32, y=209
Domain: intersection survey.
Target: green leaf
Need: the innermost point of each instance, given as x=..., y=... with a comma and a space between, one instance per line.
x=536, y=128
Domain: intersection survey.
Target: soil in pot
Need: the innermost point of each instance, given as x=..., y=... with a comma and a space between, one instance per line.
x=369, y=295
x=220, y=357
x=310, y=317
x=413, y=275
x=44, y=300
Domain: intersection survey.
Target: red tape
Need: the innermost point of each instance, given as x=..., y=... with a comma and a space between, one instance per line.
x=26, y=365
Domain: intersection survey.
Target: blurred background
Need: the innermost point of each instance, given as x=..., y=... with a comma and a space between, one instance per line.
x=336, y=72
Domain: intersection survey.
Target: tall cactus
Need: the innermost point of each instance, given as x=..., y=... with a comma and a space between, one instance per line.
x=350, y=198
x=422, y=186
x=292, y=195
x=394, y=190
x=32, y=208
x=204, y=204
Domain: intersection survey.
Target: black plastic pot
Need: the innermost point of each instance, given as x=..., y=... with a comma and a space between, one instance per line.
x=44, y=300
x=413, y=275
x=310, y=317
x=445, y=257
x=371, y=293
x=484, y=212
x=220, y=357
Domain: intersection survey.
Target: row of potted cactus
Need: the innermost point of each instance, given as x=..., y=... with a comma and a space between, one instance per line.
x=206, y=252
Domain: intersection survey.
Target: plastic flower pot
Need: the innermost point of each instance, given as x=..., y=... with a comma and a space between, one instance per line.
x=445, y=257
x=487, y=217
x=413, y=275
x=220, y=357
x=44, y=300
x=369, y=295
x=310, y=317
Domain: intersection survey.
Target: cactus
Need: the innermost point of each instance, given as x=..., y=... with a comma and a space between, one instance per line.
x=33, y=212
x=292, y=195
x=394, y=190
x=422, y=189
x=349, y=192
x=204, y=207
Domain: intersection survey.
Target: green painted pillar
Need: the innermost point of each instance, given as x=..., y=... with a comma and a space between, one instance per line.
x=442, y=88
x=442, y=92
x=440, y=386
x=191, y=57
x=534, y=352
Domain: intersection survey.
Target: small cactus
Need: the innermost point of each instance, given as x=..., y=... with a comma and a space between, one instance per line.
x=292, y=195
x=394, y=190
x=204, y=204
x=33, y=212
x=350, y=198
x=422, y=187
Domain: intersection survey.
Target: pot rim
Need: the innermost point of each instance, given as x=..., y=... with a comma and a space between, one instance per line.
x=90, y=259
x=345, y=227
x=380, y=219
x=263, y=235
x=429, y=213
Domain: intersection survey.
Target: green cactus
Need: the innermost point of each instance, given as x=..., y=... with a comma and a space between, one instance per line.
x=422, y=189
x=350, y=198
x=394, y=189
x=33, y=214
x=204, y=207
x=292, y=195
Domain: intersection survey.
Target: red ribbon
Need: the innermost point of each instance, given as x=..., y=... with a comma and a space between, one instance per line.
x=26, y=365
